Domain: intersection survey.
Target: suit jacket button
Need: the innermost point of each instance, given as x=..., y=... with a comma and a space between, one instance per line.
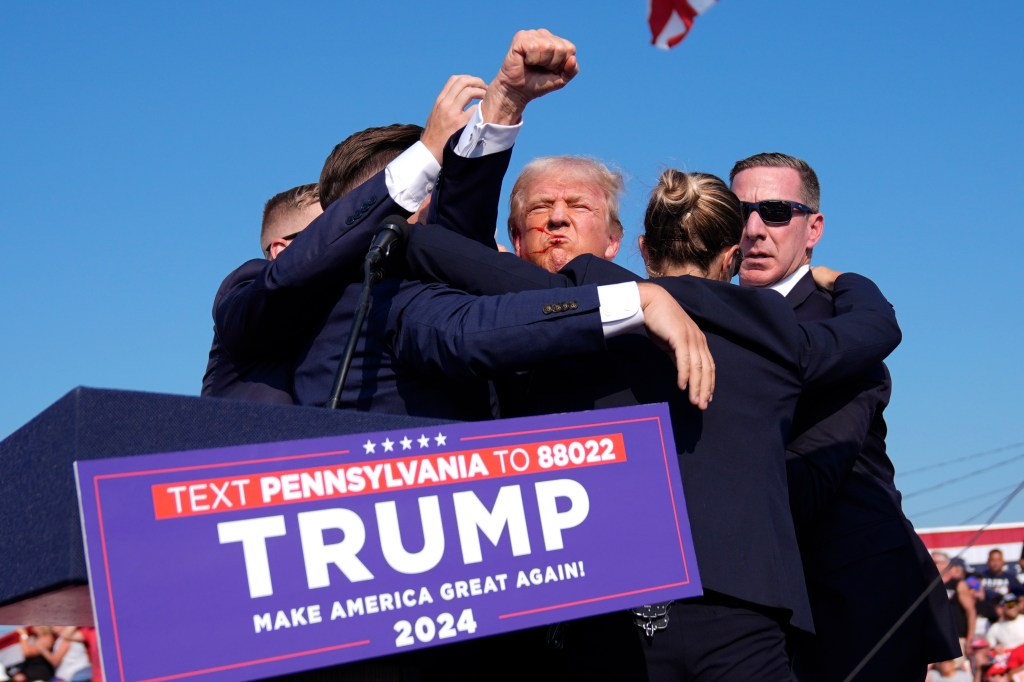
x=547, y=310
x=573, y=305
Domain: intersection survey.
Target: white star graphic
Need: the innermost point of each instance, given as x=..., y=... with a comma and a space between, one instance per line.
x=406, y=443
x=440, y=438
x=369, y=446
x=388, y=444
x=423, y=441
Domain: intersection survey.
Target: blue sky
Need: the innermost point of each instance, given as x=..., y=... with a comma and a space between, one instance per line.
x=140, y=141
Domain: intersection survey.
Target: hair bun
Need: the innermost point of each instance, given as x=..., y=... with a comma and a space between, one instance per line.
x=677, y=191
x=689, y=219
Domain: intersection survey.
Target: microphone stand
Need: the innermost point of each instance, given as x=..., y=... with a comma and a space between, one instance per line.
x=370, y=275
x=372, y=272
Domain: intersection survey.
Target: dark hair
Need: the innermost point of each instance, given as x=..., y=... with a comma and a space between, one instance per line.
x=810, y=190
x=690, y=218
x=362, y=155
x=294, y=199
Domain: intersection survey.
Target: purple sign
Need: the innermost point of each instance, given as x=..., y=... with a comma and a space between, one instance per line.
x=251, y=561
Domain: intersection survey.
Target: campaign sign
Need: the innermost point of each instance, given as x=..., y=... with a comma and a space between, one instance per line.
x=251, y=561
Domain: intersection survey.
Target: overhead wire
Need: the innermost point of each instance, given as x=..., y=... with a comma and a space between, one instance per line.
x=964, y=477
x=981, y=513
x=962, y=458
x=954, y=503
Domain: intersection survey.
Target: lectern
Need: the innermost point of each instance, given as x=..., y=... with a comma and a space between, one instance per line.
x=307, y=538
x=44, y=578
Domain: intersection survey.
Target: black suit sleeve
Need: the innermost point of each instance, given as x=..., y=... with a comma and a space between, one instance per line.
x=861, y=335
x=448, y=332
x=833, y=425
x=465, y=198
x=263, y=305
x=819, y=459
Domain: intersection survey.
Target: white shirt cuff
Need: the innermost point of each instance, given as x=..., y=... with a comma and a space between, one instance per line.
x=411, y=176
x=480, y=139
x=620, y=308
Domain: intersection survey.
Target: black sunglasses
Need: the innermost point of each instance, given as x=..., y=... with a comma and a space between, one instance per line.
x=287, y=238
x=773, y=211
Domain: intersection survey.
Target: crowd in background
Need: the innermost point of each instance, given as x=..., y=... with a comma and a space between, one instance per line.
x=60, y=653
x=987, y=601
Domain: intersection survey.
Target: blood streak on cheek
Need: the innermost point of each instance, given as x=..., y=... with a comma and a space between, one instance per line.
x=548, y=233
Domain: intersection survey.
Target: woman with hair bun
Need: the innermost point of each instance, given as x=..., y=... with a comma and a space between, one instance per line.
x=692, y=226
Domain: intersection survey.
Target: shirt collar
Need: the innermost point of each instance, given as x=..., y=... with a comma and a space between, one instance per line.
x=786, y=284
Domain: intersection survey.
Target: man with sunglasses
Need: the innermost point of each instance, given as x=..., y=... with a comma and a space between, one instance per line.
x=864, y=564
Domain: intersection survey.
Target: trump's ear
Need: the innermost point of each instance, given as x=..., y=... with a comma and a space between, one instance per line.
x=517, y=243
x=612, y=250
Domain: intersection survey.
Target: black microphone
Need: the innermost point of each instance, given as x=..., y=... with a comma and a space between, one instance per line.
x=393, y=229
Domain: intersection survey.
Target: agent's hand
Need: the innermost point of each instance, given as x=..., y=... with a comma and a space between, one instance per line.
x=824, y=277
x=420, y=216
x=449, y=113
x=676, y=333
x=537, y=62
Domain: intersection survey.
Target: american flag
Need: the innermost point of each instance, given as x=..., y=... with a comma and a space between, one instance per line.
x=670, y=20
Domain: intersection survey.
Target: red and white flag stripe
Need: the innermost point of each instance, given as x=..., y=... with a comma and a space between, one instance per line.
x=670, y=20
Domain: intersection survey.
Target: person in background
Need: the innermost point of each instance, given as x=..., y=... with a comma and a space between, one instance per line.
x=35, y=667
x=69, y=656
x=998, y=672
x=949, y=671
x=961, y=598
x=1015, y=662
x=997, y=578
x=1020, y=571
x=1008, y=633
x=979, y=655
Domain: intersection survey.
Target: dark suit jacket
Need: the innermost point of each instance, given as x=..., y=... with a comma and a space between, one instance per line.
x=732, y=455
x=261, y=377
x=851, y=522
x=426, y=348
x=273, y=319
x=264, y=309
